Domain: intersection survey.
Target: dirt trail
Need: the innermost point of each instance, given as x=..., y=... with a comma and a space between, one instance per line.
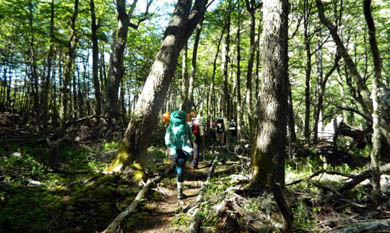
x=163, y=212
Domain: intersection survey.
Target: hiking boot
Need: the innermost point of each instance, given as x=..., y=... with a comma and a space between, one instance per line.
x=180, y=194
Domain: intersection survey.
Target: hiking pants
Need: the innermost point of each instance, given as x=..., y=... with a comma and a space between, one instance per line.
x=180, y=164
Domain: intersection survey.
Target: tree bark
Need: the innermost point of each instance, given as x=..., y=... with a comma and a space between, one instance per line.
x=46, y=81
x=116, y=69
x=376, y=136
x=225, y=62
x=268, y=155
x=189, y=100
x=308, y=69
x=145, y=115
x=240, y=115
x=251, y=7
x=95, y=59
x=71, y=46
x=211, y=95
x=185, y=77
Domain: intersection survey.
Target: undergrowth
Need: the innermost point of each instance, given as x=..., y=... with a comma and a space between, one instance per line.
x=36, y=198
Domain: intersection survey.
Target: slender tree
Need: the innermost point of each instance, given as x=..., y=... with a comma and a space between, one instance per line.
x=71, y=46
x=251, y=6
x=307, y=38
x=240, y=107
x=95, y=59
x=46, y=81
x=376, y=136
x=225, y=60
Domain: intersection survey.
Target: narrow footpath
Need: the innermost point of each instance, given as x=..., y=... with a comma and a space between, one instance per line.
x=166, y=210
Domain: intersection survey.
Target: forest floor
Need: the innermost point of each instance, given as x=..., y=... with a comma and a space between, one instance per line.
x=164, y=213
x=78, y=198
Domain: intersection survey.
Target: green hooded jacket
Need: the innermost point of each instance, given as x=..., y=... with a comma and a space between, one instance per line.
x=178, y=133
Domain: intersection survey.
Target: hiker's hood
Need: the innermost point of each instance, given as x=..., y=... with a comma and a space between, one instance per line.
x=178, y=117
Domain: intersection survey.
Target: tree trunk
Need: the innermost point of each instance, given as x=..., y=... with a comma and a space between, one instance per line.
x=211, y=95
x=145, y=115
x=189, y=100
x=65, y=89
x=95, y=59
x=251, y=7
x=225, y=62
x=185, y=78
x=46, y=81
x=376, y=136
x=240, y=115
x=32, y=65
x=291, y=119
x=307, y=39
x=116, y=69
x=268, y=155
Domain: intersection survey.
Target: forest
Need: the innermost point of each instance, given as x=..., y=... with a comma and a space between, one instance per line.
x=90, y=93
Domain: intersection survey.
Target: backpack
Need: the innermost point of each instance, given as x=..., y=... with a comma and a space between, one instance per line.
x=195, y=128
x=177, y=134
x=220, y=125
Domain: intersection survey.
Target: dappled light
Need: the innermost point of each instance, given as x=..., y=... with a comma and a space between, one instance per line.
x=203, y=116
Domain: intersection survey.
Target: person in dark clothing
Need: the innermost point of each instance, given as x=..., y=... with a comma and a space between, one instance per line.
x=233, y=128
x=197, y=130
x=220, y=131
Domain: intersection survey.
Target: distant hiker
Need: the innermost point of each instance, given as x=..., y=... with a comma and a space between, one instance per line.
x=197, y=130
x=220, y=131
x=179, y=138
x=233, y=128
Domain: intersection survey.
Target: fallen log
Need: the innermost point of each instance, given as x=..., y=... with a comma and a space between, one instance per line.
x=112, y=228
x=360, y=177
x=355, y=179
x=362, y=227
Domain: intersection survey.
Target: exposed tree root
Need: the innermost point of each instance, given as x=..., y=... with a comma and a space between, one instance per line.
x=282, y=204
x=195, y=219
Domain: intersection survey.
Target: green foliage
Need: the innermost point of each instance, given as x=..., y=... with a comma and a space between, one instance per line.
x=109, y=146
x=38, y=200
x=303, y=216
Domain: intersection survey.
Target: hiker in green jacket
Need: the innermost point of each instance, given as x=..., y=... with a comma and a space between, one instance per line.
x=179, y=138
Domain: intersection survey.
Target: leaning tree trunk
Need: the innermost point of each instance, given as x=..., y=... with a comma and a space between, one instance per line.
x=268, y=156
x=145, y=115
